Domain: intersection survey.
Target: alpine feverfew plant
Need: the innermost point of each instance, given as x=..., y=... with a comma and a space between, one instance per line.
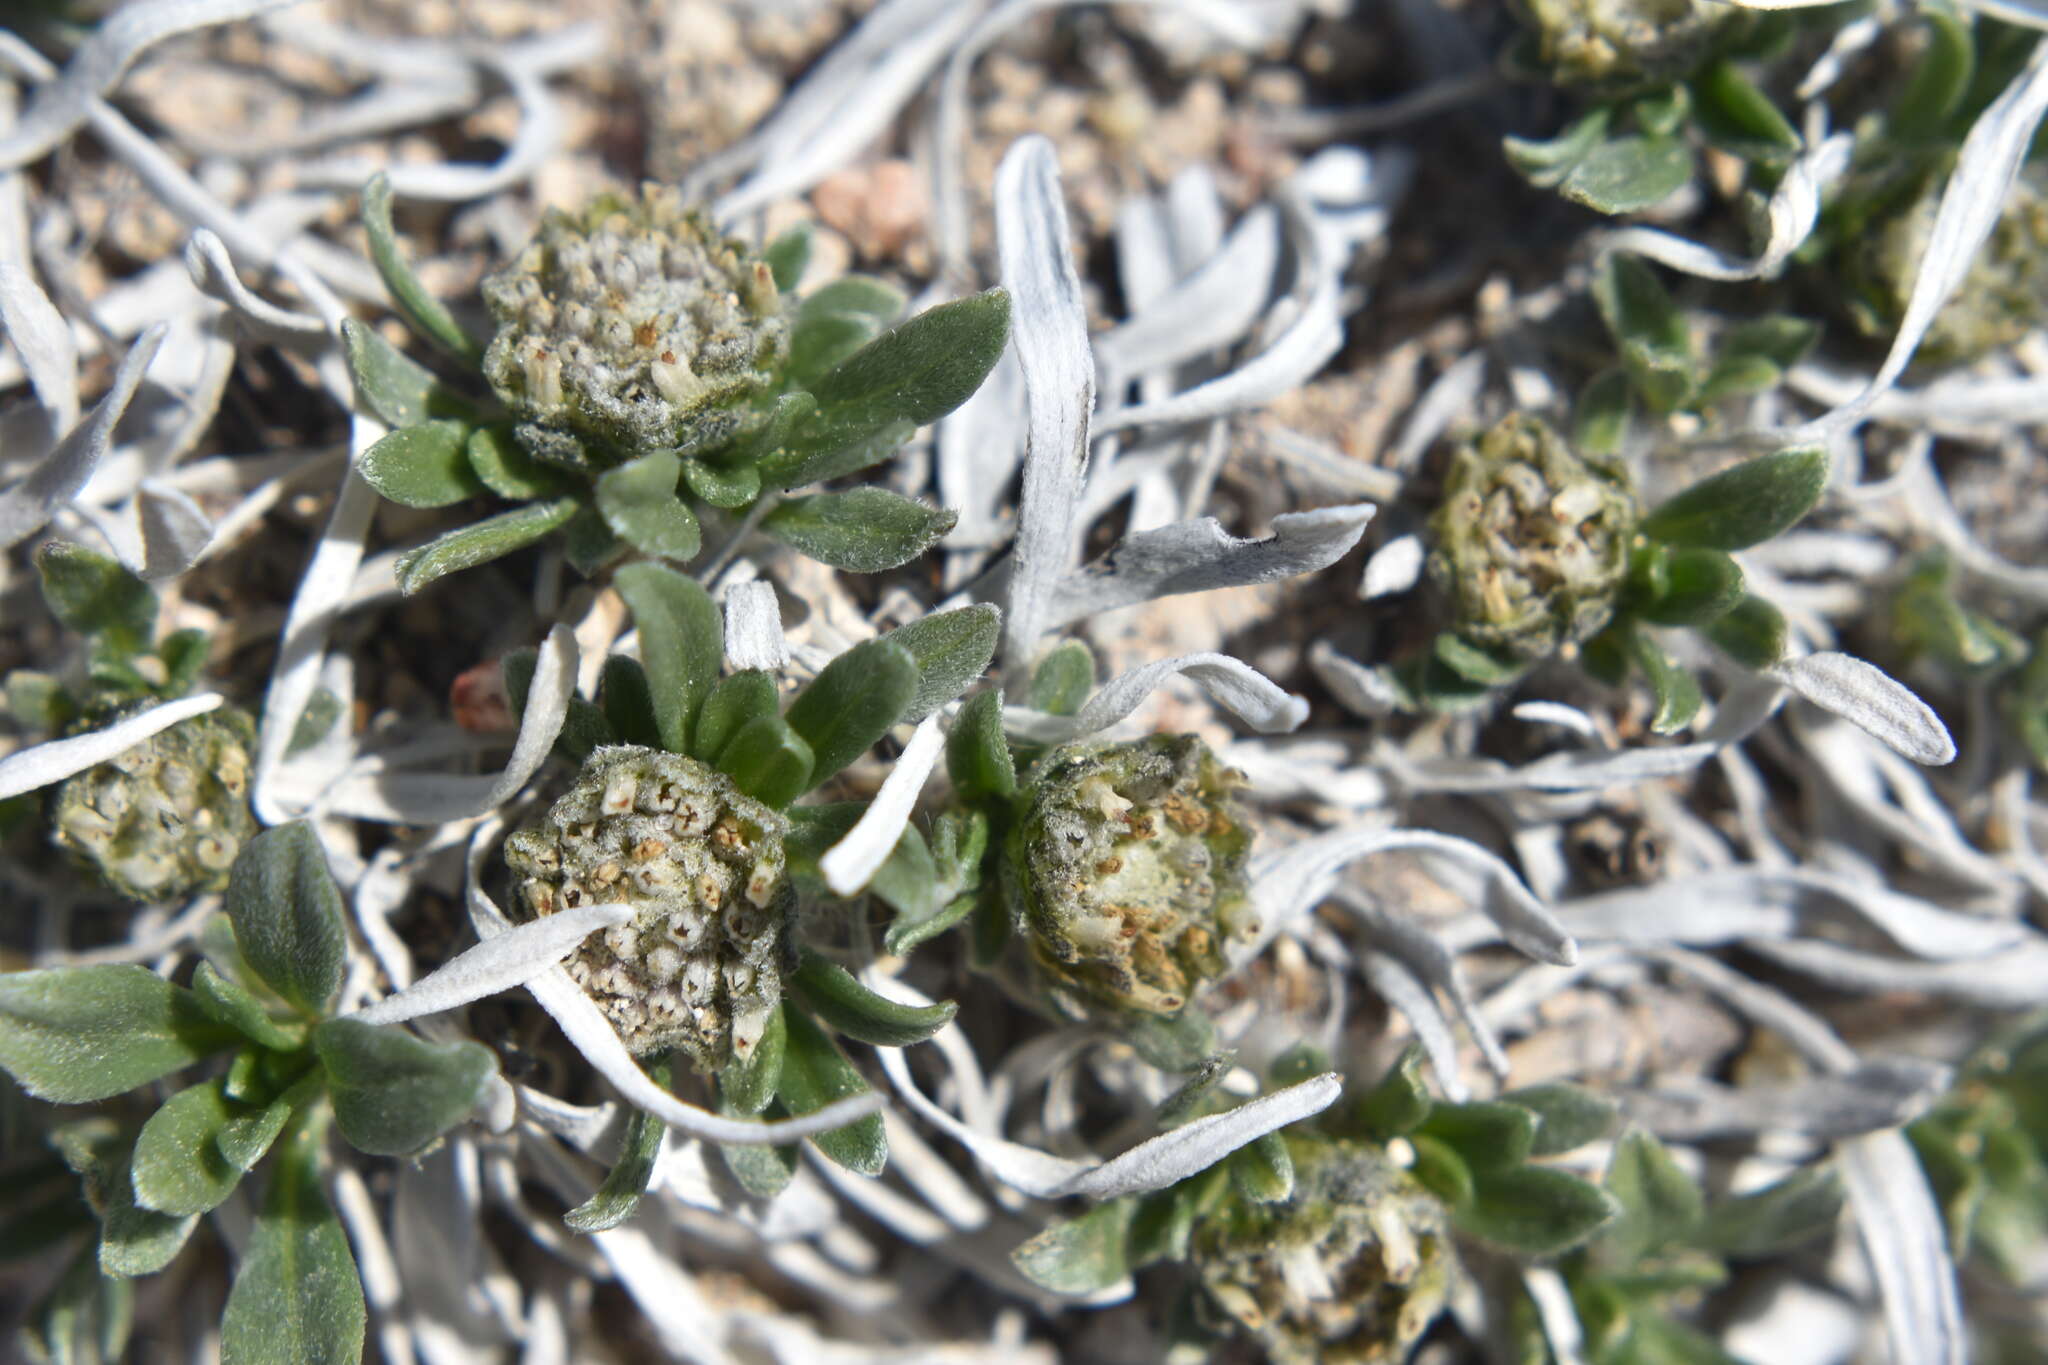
x=278, y=1067
x=1335, y=1240
x=647, y=372
x=682, y=812
x=163, y=818
x=1539, y=550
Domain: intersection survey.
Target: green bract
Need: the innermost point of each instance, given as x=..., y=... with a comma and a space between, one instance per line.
x=699, y=968
x=1531, y=540
x=646, y=374
x=1127, y=869
x=167, y=817
x=1352, y=1268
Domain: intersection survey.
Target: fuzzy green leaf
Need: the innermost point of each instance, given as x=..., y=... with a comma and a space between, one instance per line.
x=747, y=1085
x=1475, y=662
x=1940, y=81
x=1736, y=115
x=288, y=916
x=394, y=1093
x=1399, y=1102
x=638, y=501
x=250, y=1129
x=919, y=370
x=1659, y=1204
x=93, y=595
x=398, y=390
x=862, y=530
x=1546, y=162
x=952, y=649
x=628, y=702
x=1745, y=505
x=427, y=314
x=1754, y=356
x=822, y=340
x=425, y=465
x=1752, y=632
x=1568, y=1116
x=505, y=468
x=133, y=1240
x=1488, y=1134
x=1063, y=679
x=814, y=1074
x=1628, y=174
x=722, y=486
x=627, y=1180
x=296, y=1299
x=1676, y=689
x=763, y=1172
x=977, y=753
x=863, y=295
x=588, y=543
x=1601, y=417
x=481, y=542
x=1172, y=1042
x=75, y=1034
x=838, y=997
x=178, y=1167
x=1534, y=1210
x=853, y=702
x=1165, y=1220
x=316, y=722
x=682, y=644
x=788, y=255
x=1796, y=1209
x=905, y=933
x=768, y=761
x=1441, y=1171
x=1262, y=1170
x=1081, y=1255
x=1701, y=586
x=732, y=702
x=801, y=464
x=1647, y=327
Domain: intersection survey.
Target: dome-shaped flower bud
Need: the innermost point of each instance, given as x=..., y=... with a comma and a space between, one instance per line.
x=1531, y=540
x=699, y=966
x=1352, y=1268
x=2002, y=298
x=166, y=818
x=1129, y=863
x=631, y=327
x=1614, y=46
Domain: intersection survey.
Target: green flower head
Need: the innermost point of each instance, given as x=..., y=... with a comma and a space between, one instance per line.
x=1351, y=1268
x=699, y=967
x=1129, y=863
x=165, y=818
x=2002, y=298
x=1531, y=540
x=631, y=327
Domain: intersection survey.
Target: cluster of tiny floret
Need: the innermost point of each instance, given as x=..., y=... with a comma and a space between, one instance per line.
x=1132, y=860
x=1532, y=540
x=699, y=966
x=166, y=817
x=631, y=327
x=1350, y=1270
